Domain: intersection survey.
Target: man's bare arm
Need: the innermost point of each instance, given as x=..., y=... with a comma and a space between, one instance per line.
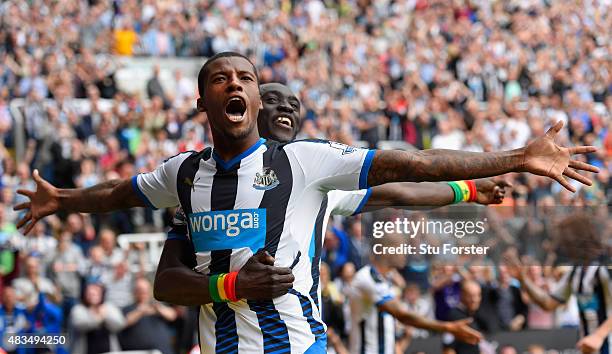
x=537, y=294
x=176, y=283
x=541, y=157
x=440, y=165
x=407, y=195
x=593, y=342
x=460, y=329
x=46, y=199
x=117, y=194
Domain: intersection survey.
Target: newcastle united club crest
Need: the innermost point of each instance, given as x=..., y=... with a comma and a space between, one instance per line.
x=265, y=180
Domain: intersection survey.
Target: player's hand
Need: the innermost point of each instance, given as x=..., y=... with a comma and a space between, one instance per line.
x=514, y=266
x=259, y=279
x=44, y=201
x=590, y=344
x=490, y=191
x=545, y=158
x=462, y=331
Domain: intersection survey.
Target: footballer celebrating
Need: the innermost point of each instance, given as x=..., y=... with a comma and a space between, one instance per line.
x=247, y=194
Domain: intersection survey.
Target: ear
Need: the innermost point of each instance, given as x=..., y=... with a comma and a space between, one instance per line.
x=260, y=103
x=201, y=105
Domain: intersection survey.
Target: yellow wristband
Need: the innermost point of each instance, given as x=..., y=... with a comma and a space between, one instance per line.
x=221, y=287
x=465, y=190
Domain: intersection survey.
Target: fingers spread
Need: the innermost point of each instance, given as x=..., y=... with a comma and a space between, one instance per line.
x=37, y=177
x=30, y=227
x=555, y=129
x=24, y=220
x=577, y=176
x=579, y=165
x=26, y=192
x=582, y=149
x=22, y=206
x=565, y=183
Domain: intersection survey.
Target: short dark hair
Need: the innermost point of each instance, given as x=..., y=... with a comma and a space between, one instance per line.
x=203, y=74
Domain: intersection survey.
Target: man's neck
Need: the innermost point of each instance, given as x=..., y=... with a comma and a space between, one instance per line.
x=228, y=148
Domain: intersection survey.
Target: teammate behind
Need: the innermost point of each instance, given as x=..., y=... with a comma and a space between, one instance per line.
x=375, y=306
x=269, y=194
x=589, y=279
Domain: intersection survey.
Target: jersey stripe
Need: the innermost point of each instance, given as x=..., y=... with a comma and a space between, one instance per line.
x=223, y=197
x=188, y=169
x=381, y=332
x=318, y=234
x=316, y=327
x=275, y=201
x=363, y=337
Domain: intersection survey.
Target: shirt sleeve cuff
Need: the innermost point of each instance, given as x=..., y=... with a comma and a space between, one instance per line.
x=365, y=169
x=140, y=194
x=363, y=202
x=384, y=300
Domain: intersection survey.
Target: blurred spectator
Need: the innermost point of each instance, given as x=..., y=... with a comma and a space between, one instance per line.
x=144, y=317
x=29, y=288
x=39, y=243
x=358, y=249
x=538, y=318
x=13, y=317
x=332, y=301
x=419, y=305
x=95, y=323
x=446, y=287
x=154, y=87
x=68, y=265
x=507, y=349
x=96, y=266
x=471, y=297
x=125, y=38
x=511, y=309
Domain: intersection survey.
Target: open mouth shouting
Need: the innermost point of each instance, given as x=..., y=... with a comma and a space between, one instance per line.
x=235, y=109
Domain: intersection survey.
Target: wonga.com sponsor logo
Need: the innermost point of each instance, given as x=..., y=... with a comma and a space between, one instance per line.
x=228, y=229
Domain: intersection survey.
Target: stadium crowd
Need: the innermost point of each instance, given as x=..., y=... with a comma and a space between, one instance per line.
x=470, y=75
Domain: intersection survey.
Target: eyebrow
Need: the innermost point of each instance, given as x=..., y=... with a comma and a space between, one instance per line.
x=225, y=71
x=278, y=93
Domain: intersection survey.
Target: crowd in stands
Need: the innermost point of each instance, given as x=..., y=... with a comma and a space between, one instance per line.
x=464, y=74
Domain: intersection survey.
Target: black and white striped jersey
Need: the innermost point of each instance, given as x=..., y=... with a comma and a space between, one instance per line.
x=372, y=330
x=592, y=287
x=267, y=197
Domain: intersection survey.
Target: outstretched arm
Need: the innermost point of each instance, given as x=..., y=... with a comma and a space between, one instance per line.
x=593, y=342
x=460, y=329
x=541, y=157
x=430, y=194
x=104, y=197
x=536, y=294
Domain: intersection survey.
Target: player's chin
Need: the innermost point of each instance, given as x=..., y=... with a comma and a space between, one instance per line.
x=239, y=131
x=282, y=137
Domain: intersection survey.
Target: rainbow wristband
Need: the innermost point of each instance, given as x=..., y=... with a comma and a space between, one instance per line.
x=457, y=191
x=213, y=289
x=465, y=191
x=222, y=287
